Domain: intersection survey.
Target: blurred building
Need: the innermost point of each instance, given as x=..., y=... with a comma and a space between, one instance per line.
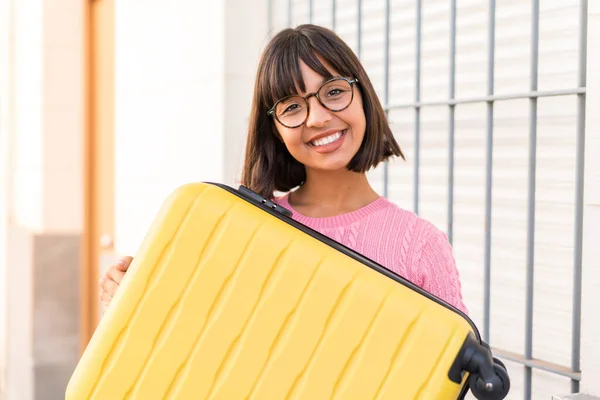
x=106, y=107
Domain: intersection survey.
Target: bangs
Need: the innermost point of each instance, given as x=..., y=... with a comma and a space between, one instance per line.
x=284, y=77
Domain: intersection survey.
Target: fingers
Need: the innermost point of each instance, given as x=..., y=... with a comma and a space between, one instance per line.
x=109, y=283
x=115, y=274
x=109, y=286
x=105, y=297
x=124, y=263
x=117, y=271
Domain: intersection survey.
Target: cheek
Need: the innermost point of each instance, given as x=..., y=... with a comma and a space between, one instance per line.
x=357, y=119
x=291, y=138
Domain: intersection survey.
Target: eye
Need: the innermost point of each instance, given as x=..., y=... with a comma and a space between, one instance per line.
x=335, y=92
x=291, y=107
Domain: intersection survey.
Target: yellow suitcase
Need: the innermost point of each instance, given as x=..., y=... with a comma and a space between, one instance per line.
x=229, y=298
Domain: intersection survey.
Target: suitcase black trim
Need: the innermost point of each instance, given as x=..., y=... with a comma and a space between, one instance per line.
x=284, y=215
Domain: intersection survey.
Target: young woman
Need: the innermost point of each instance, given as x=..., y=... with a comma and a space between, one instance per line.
x=315, y=128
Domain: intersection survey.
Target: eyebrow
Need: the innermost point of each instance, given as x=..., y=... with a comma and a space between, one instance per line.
x=321, y=83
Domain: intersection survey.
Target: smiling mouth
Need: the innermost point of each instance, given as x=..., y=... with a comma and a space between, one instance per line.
x=334, y=137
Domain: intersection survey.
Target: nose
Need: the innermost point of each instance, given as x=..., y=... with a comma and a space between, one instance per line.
x=318, y=115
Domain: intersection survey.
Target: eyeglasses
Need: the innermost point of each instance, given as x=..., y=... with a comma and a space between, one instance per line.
x=336, y=95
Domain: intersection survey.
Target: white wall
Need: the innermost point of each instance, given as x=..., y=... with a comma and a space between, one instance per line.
x=244, y=40
x=169, y=71
x=27, y=172
x=184, y=79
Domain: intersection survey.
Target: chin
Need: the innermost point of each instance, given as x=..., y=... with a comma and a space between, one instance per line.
x=331, y=166
x=331, y=162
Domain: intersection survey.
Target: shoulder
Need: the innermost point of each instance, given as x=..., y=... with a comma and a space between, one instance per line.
x=408, y=217
x=425, y=253
x=421, y=237
x=415, y=232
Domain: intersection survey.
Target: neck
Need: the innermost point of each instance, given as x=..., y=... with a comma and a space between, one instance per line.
x=332, y=193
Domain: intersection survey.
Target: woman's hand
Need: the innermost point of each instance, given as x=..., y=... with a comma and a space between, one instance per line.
x=109, y=283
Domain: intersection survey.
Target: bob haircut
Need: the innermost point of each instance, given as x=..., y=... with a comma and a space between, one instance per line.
x=268, y=164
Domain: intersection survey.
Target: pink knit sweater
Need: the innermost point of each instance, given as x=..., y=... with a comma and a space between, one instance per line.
x=398, y=240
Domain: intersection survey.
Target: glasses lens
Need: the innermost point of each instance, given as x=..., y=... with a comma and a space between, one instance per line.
x=291, y=111
x=336, y=95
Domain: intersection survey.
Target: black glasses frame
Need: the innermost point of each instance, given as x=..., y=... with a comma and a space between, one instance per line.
x=351, y=82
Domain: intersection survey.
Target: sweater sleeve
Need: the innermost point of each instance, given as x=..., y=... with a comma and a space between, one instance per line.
x=438, y=266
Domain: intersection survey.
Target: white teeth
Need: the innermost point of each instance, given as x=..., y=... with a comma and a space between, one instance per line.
x=328, y=139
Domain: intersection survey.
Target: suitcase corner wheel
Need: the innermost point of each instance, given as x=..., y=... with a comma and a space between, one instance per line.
x=488, y=378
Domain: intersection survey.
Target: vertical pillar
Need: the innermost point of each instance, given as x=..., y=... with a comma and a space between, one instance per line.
x=590, y=323
x=5, y=81
x=44, y=185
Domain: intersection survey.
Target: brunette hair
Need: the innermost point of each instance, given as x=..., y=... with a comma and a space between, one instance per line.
x=268, y=164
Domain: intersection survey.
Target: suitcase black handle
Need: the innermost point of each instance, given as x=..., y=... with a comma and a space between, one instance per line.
x=257, y=198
